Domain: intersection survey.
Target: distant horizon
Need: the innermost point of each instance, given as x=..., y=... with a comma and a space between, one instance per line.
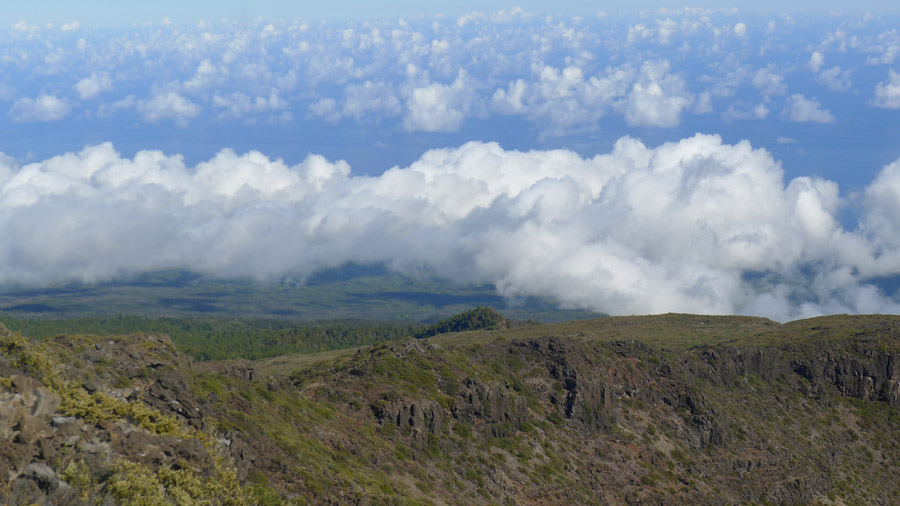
x=108, y=13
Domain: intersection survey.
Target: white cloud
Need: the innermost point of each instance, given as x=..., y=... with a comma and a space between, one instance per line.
x=241, y=105
x=835, y=79
x=562, y=100
x=69, y=27
x=745, y=110
x=109, y=110
x=93, y=85
x=205, y=76
x=168, y=106
x=439, y=107
x=769, y=82
x=880, y=221
x=886, y=46
x=704, y=103
x=370, y=96
x=816, y=60
x=666, y=28
x=562, y=75
x=657, y=98
x=371, y=99
x=639, y=32
x=326, y=108
x=42, y=108
x=800, y=109
x=636, y=230
x=887, y=93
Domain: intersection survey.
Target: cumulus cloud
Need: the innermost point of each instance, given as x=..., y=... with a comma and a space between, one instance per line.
x=704, y=103
x=168, y=106
x=835, y=79
x=657, y=98
x=769, y=81
x=562, y=100
x=816, y=60
x=241, y=105
x=93, y=85
x=205, y=76
x=42, y=108
x=439, y=107
x=746, y=110
x=880, y=222
x=371, y=99
x=639, y=32
x=109, y=110
x=886, y=46
x=800, y=109
x=887, y=93
x=563, y=75
x=696, y=225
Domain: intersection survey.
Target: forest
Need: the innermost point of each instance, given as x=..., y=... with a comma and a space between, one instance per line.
x=218, y=338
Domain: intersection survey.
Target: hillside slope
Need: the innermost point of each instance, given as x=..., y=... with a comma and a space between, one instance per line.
x=669, y=409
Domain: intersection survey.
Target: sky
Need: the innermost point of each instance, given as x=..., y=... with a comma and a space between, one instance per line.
x=737, y=160
x=92, y=13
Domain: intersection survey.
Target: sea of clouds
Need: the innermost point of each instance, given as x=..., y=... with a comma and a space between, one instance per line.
x=692, y=226
x=559, y=74
x=697, y=224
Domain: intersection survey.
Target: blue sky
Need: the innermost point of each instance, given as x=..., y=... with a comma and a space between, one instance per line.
x=111, y=13
x=698, y=159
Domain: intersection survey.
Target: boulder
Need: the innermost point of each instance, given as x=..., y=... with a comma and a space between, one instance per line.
x=31, y=428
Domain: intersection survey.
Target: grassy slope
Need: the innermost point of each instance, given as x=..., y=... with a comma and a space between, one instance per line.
x=683, y=427
x=668, y=331
x=672, y=409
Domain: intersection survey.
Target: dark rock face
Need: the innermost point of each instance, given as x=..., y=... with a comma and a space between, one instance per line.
x=491, y=404
x=588, y=389
x=860, y=373
x=420, y=418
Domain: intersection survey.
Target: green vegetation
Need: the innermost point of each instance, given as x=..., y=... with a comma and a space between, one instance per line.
x=480, y=318
x=130, y=483
x=220, y=339
x=684, y=409
x=349, y=292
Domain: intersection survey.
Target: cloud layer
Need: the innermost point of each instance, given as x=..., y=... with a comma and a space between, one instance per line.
x=697, y=226
x=562, y=75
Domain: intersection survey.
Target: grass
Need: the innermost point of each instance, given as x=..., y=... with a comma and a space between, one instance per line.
x=674, y=332
x=285, y=365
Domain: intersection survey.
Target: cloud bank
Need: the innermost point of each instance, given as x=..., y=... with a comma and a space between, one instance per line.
x=696, y=225
x=561, y=75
